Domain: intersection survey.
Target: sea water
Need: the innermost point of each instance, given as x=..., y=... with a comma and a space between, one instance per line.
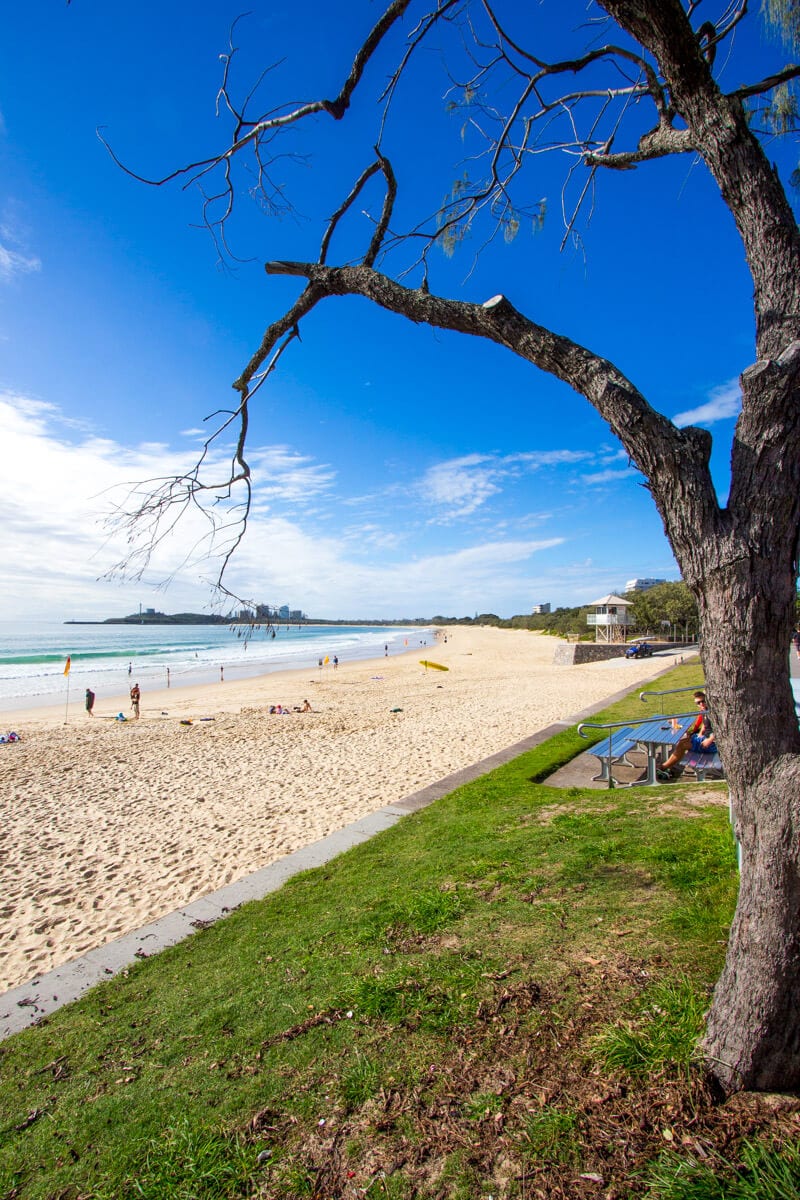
x=109, y=658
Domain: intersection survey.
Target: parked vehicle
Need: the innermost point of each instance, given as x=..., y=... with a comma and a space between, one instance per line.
x=639, y=650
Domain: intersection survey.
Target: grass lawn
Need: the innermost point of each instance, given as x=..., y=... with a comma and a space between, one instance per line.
x=498, y=997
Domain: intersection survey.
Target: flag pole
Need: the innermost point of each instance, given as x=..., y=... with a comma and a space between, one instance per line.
x=67, y=666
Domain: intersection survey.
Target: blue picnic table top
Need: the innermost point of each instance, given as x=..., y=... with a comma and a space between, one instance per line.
x=657, y=733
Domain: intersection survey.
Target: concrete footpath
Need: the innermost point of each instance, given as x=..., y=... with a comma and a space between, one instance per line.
x=44, y=994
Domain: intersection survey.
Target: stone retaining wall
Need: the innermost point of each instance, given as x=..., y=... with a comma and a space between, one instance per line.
x=572, y=653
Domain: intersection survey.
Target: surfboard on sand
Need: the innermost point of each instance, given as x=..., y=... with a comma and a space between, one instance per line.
x=423, y=662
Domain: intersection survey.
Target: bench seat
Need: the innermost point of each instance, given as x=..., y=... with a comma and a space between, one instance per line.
x=700, y=763
x=623, y=741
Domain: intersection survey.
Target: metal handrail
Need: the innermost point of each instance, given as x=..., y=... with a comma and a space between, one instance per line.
x=609, y=725
x=634, y=720
x=698, y=687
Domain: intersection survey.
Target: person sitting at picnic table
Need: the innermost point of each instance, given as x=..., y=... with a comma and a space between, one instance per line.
x=699, y=737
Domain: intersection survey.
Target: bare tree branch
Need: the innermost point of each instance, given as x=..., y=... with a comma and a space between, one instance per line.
x=649, y=438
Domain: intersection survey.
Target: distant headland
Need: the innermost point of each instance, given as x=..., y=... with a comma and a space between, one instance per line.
x=159, y=618
x=151, y=617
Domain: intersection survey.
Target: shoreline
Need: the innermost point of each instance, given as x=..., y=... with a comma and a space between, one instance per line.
x=155, y=679
x=184, y=700
x=108, y=826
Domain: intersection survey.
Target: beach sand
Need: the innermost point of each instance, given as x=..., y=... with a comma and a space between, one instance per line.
x=107, y=825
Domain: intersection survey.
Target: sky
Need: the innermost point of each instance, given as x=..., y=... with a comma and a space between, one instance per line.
x=397, y=471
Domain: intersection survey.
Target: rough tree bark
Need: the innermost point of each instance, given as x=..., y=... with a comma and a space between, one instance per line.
x=740, y=560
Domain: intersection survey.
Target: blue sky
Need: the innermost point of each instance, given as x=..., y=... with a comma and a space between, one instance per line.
x=398, y=471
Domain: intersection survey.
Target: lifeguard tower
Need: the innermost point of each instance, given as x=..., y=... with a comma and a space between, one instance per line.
x=611, y=618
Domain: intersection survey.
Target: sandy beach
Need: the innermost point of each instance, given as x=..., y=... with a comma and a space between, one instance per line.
x=108, y=825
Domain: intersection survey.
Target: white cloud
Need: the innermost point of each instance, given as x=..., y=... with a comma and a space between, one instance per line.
x=13, y=259
x=550, y=458
x=460, y=485
x=292, y=477
x=608, y=455
x=57, y=482
x=724, y=402
x=278, y=560
x=608, y=475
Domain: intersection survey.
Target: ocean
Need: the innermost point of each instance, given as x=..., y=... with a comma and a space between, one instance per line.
x=109, y=658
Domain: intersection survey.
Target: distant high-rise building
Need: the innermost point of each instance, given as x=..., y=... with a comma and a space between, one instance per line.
x=539, y=610
x=642, y=585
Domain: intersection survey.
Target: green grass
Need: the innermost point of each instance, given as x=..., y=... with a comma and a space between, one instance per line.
x=668, y=1023
x=186, y=1163
x=406, y=1003
x=765, y=1172
x=549, y=1137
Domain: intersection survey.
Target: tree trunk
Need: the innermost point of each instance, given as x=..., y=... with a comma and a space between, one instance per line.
x=753, y=1033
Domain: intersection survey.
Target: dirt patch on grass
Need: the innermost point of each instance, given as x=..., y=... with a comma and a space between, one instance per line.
x=691, y=802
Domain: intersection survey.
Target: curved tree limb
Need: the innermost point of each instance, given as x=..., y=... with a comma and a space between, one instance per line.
x=659, y=449
x=658, y=143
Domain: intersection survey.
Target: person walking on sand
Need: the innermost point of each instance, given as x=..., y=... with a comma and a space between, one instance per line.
x=89, y=701
x=136, y=697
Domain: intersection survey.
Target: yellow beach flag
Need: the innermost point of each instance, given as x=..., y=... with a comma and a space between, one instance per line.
x=67, y=664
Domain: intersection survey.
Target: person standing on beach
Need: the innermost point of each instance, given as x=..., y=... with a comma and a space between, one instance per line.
x=89, y=701
x=136, y=697
x=335, y=662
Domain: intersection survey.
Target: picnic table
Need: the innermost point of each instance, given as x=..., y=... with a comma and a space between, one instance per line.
x=660, y=734
x=657, y=734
